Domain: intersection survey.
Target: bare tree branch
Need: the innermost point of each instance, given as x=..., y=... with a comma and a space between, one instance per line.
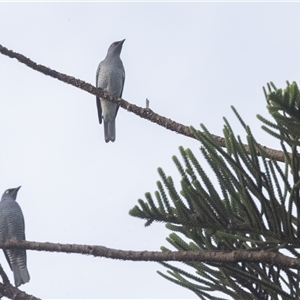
x=156, y=256
x=144, y=113
x=11, y=292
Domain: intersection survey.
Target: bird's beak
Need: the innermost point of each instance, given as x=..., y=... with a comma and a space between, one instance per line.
x=123, y=41
x=19, y=187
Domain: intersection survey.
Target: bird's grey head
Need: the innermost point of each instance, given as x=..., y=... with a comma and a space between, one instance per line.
x=10, y=194
x=115, y=48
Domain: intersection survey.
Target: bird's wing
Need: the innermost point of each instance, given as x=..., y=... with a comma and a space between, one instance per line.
x=122, y=89
x=3, y=236
x=122, y=83
x=98, y=102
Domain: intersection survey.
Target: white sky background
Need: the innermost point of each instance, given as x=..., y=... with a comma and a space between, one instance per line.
x=191, y=60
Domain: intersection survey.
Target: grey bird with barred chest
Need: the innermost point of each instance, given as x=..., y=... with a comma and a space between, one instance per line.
x=110, y=77
x=12, y=227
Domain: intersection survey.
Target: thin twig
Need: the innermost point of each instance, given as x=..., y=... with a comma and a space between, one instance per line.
x=11, y=292
x=4, y=276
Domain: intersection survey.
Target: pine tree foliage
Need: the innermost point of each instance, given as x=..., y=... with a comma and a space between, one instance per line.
x=252, y=203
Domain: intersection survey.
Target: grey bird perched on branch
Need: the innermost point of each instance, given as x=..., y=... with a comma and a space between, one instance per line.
x=12, y=227
x=110, y=77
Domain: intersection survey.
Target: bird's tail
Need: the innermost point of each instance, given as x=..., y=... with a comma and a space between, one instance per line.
x=21, y=275
x=110, y=130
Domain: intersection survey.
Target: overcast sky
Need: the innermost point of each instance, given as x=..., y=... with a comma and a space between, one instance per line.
x=191, y=60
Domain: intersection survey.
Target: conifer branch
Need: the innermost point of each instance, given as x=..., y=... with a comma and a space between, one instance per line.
x=156, y=256
x=145, y=113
